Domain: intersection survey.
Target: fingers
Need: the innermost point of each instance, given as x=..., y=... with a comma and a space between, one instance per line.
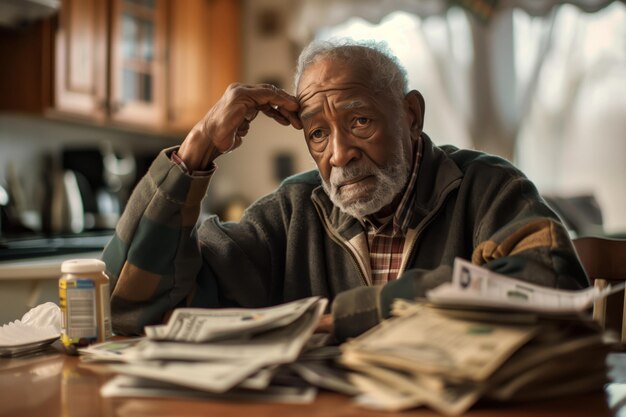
x=231, y=116
x=278, y=104
x=277, y=97
x=276, y=113
x=250, y=115
x=243, y=128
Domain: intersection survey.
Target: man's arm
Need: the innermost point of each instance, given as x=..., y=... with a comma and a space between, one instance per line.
x=516, y=234
x=153, y=258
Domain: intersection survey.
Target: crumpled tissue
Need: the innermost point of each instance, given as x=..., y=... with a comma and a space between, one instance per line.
x=40, y=325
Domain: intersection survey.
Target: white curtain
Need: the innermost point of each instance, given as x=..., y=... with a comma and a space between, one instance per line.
x=485, y=98
x=572, y=137
x=437, y=56
x=314, y=14
x=541, y=83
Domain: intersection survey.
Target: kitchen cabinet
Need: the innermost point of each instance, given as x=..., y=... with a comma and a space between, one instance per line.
x=138, y=61
x=81, y=59
x=26, y=83
x=204, y=57
x=156, y=64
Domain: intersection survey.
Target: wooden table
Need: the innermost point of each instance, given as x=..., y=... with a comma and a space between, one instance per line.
x=53, y=384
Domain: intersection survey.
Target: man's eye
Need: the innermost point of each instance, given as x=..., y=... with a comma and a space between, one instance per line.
x=362, y=121
x=316, y=135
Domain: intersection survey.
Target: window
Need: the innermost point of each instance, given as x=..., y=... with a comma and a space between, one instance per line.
x=425, y=48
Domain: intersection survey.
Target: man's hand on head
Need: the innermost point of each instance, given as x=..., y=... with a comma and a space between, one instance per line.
x=222, y=129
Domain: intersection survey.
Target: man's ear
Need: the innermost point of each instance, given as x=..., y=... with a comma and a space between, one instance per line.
x=415, y=112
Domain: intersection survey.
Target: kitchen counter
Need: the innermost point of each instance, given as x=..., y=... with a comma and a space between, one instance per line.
x=36, y=247
x=26, y=283
x=48, y=267
x=30, y=268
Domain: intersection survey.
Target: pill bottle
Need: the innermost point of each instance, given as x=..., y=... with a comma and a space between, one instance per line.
x=84, y=302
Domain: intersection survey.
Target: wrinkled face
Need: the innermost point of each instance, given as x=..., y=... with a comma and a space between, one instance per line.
x=360, y=140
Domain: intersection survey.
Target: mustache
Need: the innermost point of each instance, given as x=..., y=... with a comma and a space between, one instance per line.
x=355, y=170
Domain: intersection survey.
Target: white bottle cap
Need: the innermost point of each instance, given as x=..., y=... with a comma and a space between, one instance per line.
x=80, y=266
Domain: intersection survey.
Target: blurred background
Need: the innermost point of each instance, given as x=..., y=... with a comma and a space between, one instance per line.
x=92, y=90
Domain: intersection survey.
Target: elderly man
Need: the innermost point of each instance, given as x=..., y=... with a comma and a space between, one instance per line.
x=382, y=217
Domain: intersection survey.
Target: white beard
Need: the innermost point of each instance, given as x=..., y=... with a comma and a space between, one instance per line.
x=390, y=181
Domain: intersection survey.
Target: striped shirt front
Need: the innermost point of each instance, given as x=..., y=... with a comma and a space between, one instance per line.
x=386, y=237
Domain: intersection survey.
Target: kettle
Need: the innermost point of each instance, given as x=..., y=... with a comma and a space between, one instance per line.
x=4, y=201
x=67, y=214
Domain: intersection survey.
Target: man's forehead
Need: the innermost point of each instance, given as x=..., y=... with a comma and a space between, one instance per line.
x=327, y=74
x=338, y=87
x=338, y=100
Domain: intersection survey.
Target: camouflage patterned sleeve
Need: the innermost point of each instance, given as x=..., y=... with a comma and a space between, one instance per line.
x=153, y=258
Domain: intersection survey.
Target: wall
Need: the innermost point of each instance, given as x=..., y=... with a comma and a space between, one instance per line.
x=26, y=140
x=268, y=56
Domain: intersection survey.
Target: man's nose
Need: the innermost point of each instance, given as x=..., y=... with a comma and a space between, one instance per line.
x=343, y=148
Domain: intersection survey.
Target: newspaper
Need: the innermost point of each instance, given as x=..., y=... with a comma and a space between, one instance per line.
x=282, y=345
x=129, y=386
x=414, y=390
x=428, y=342
x=215, y=376
x=474, y=286
x=203, y=325
x=324, y=376
x=448, y=358
x=110, y=351
x=259, y=380
x=428, y=358
x=199, y=349
x=379, y=395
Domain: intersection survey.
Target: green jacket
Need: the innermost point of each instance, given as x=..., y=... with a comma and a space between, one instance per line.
x=295, y=243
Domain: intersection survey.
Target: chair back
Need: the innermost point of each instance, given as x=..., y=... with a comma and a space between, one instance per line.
x=604, y=260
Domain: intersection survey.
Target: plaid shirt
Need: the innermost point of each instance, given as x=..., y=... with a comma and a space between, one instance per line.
x=386, y=237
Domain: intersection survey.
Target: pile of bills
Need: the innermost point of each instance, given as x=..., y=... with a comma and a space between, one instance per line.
x=482, y=336
x=233, y=353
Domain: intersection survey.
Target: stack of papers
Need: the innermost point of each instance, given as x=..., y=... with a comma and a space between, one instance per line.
x=233, y=353
x=479, y=288
x=482, y=336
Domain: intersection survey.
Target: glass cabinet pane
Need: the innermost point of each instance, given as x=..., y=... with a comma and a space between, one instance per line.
x=136, y=87
x=147, y=40
x=138, y=63
x=137, y=50
x=129, y=86
x=146, y=89
x=137, y=38
x=129, y=36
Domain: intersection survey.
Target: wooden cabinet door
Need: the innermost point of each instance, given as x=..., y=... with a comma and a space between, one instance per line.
x=204, y=57
x=156, y=64
x=138, y=61
x=81, y=58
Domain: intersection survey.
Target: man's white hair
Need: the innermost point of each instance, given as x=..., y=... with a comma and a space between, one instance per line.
x=387, y=74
